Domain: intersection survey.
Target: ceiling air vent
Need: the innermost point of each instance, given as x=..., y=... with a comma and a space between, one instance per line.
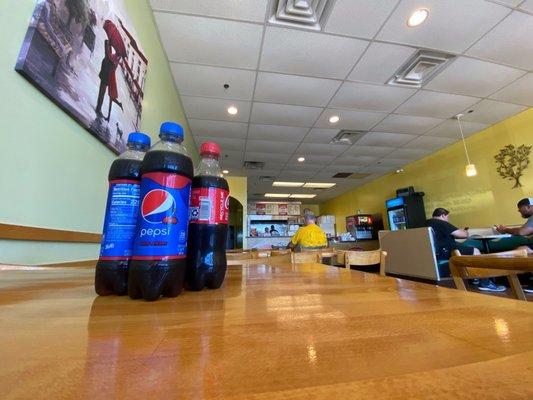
x=420, y=68
x=347, y=137
x=253, y=165
x=307, y=14
x=351, y=175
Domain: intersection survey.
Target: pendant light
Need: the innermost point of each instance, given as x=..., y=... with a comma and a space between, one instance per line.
x=470, y=168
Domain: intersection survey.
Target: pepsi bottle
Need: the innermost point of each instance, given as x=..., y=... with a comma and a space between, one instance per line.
x=208, y=227
x=157, y=266
x=120, y=217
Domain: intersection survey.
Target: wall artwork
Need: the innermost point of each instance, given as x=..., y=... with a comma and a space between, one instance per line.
x=85, y=56
x=512, y=161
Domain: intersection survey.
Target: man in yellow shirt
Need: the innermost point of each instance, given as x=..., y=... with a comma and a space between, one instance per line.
x=310, y=236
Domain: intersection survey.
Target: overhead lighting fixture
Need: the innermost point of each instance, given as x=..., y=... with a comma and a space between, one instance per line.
x=316, y=185
x=417, y=17
x=232, y=110
x=301, y=159
x=225, y=171
x=334, y=119
x=277, y=195
x=302, y=196
x=470, y=169
x=287, y=184
x=399, y=170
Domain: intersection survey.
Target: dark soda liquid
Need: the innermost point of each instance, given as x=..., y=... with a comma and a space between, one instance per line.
x=206, y=245
x=151, y=279
x=111, y=276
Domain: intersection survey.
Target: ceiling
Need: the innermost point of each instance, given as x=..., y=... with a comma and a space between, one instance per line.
x=286, y=82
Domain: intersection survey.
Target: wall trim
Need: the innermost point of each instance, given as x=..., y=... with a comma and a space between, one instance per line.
x=32, y=233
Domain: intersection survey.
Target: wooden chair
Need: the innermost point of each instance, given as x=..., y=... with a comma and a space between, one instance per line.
x=281, y=259
x=307, y=257
x=274, y=253
x=363, y=258
x=459, y=273
x=245, y=255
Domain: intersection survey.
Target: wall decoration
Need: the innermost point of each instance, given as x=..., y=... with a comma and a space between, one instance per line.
x=85, y=56
x=512, y=161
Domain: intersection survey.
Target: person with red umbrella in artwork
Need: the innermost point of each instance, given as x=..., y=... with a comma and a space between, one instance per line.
x=109, y=65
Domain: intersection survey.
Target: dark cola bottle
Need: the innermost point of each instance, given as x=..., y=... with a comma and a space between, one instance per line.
x=208, y=227
x=123, y=199
x=158, y=262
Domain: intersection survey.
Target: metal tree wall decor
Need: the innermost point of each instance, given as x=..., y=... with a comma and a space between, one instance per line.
x=512, y=161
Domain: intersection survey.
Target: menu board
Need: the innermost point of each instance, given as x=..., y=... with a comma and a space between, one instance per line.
x=252, y=209
x=282, y=209
x=260, y=208
x=271, y=209
x=293, y=209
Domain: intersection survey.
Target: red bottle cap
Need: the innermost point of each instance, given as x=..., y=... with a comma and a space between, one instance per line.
x=210, y=148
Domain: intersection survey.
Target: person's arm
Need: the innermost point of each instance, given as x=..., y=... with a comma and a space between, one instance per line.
x=523, y=230
x=294, y=239
x=460, y=233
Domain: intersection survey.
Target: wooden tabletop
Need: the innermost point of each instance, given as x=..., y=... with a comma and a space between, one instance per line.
x=510, y=263
x=305, y=331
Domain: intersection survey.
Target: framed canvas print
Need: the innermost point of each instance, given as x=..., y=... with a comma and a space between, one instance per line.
x=85, y=56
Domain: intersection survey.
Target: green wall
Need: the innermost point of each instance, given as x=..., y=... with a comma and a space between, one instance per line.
x=54, y=172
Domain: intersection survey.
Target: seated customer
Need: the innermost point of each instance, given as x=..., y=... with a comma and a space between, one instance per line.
x=310, y=236
x=445, y=235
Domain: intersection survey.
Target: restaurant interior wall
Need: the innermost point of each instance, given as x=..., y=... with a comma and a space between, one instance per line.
x=479, y=201
x=54, y=172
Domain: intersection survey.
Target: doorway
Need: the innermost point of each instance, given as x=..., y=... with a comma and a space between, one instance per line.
x=235, y=224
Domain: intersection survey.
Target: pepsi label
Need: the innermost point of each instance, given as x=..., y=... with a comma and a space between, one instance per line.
x=209, y=206
x=120, y=219
x=163, y=217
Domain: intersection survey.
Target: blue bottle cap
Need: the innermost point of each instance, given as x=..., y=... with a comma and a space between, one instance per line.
x=139, y=137
x=171, y=128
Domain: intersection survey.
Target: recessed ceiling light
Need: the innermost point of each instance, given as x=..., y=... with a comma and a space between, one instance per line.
x=417, y=17
x=225, y=171
x=334, y=119
x=301, y=159
x=319, y=185
x=279, y=195
x=232, y=110
x=288, y=184
x=302, y=196
x=399, y=170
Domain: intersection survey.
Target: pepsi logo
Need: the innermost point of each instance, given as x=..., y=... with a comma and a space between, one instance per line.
x=158, y=206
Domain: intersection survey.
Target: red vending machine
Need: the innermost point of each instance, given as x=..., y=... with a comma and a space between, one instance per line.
x=364, y=226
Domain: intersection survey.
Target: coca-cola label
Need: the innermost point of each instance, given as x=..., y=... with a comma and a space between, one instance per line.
x=209, y=206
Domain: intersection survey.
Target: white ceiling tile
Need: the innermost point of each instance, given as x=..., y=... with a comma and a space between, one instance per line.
x=201, y=80
x=319, y=159
x=270, y=170
x=288, y=175
x=350, y=119
x=202, y=127
x=371, y=151
x=377, y=169
x=317, y=135
x=380, y=62
x=275, y=158
x=491, y=111
x=270, y=146
x=527, y=5
x=429, y=143
x=451, y=25
x=366, y=96
x=473, y=77
x=247, y=10
x=347, y=166
x=281, y=114
x=360, y=18
x=385, y=139
x=209, y=41
x=450, y=129
x=407, y=124
x=393, y=162
x=519, y=92
x=215, y=109
x=511, y=42
x=293, y=89
x=511, y=3
x=278, y=133
x=309, y=53
x=409, y=154
x=225, y=143
x=309, y=167
x=436, y=104
x=353, y=159
x=319, y=149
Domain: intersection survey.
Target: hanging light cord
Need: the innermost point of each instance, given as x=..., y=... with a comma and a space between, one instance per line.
x=463, y=138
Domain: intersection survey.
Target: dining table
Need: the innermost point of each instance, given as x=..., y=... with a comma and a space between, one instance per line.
x=272, y=331
x=500, y=261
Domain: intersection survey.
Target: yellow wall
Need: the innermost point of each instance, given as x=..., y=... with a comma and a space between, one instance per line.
x=475, y=202
x=238, y=189
x=315, y=208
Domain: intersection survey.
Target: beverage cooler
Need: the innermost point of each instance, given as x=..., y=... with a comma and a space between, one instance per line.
x=406, y=212
x=364, y=226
